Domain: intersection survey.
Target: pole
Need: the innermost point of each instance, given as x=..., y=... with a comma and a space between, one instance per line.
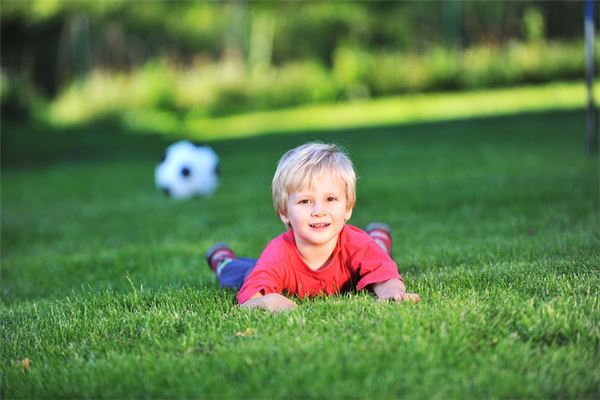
x=591, y=125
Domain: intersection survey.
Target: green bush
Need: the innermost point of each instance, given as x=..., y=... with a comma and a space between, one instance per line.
x=476, y=67
x=295, y=84
x=230, y=87
x=215, y=93
x=443, y=68
x=351, y=68
x=19, y=99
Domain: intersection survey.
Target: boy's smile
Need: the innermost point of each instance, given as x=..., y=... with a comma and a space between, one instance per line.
x=317, y=214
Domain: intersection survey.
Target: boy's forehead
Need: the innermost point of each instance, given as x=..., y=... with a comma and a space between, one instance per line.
x=330, y=179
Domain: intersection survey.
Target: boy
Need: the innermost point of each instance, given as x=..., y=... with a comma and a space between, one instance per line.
x=314, y=192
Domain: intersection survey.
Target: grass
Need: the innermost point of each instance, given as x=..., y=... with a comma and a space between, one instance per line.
x=391, y=110
x=496, y=225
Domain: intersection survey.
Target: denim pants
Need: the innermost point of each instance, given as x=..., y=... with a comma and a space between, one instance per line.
x=232, y=274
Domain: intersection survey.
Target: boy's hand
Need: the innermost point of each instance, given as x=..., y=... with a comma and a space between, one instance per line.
x=394, y=289
x=272, y=302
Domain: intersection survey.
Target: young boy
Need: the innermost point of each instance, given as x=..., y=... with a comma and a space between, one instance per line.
x=314, y=195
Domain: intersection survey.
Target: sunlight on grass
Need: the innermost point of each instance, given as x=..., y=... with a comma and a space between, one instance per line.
x=393, y=110
x=356, y=114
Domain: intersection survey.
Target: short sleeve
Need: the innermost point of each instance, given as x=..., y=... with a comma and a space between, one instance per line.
x=374, y=265
x=268, y=275
x=263, y=279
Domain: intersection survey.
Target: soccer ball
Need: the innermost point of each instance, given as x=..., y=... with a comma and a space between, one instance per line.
x=187, y=170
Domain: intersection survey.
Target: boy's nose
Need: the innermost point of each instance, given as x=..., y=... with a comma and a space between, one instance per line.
x=317, y=210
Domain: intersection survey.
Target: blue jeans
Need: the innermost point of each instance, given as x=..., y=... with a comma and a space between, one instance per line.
x=233, y=274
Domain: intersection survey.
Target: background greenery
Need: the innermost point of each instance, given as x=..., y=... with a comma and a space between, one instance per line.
x=202, y=59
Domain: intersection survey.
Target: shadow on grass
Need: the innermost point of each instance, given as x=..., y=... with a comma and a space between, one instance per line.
x=29, y=144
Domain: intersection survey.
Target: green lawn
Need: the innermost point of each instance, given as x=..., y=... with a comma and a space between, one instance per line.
x=496, y=226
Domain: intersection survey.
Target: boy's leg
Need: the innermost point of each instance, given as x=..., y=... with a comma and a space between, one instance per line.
x=231, y=270
x=382, y=235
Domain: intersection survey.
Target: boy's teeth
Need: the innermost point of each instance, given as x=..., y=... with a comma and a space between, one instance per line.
x=319, y=225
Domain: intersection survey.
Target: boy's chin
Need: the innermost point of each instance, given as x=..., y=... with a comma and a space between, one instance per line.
x=321, y=236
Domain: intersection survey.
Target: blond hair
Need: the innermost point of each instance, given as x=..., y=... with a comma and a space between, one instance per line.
x=302, y=165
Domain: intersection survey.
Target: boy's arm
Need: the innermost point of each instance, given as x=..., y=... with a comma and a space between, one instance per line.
x=272, y=302
x=394, y=289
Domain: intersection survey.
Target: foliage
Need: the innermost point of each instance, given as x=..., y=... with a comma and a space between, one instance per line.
x=20, y=100
x=55, y=42
x=219, y=89
x=105, y=293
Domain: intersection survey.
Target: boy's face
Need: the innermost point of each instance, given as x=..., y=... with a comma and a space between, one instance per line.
x=317, y=214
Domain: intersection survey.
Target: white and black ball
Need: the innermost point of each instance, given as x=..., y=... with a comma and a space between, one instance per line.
x=187, y=170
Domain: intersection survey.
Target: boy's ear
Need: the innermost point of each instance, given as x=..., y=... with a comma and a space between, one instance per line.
x=284, y=219
x=348, y=215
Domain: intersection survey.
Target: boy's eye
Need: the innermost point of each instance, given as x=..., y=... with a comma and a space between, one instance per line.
x=331, y=198
x=303, y=201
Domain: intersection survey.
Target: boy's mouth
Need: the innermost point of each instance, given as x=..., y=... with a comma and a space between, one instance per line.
x=320, y=225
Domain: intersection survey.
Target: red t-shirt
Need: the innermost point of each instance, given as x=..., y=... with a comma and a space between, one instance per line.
x=357, y=260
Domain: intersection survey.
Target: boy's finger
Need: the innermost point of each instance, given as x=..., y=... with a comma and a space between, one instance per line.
x=414, y=298
x=411, y=297
x=387, y=299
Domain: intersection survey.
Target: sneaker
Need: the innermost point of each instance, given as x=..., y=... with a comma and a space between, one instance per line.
x=218, y=253
x=382, y=235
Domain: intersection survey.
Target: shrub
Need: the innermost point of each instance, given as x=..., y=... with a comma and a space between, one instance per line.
x=229, y=87
x=297, y=83
x=19, y=99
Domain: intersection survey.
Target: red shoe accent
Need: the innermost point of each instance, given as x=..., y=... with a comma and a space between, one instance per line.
x=382, y=236
x=217, y=254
